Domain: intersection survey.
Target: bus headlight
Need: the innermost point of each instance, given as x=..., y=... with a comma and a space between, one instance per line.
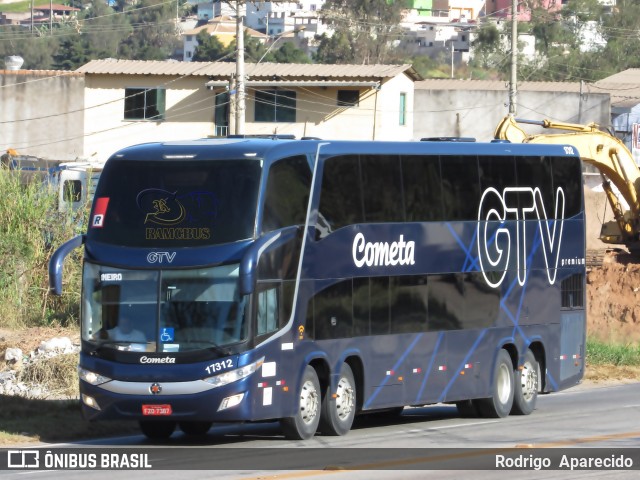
x=234, y=375
x=91, y=377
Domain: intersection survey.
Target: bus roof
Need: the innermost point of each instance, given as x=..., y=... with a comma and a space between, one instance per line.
x=272, y=149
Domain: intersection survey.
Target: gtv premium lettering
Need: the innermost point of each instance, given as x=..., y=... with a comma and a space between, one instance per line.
x=495, y=245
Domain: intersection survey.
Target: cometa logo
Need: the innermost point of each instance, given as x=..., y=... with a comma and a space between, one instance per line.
x=145, y=359
x=382, y=253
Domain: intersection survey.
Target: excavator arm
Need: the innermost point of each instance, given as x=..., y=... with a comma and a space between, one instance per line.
x=598, y=148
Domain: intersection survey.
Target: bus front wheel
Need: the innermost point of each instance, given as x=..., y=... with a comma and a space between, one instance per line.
x=500, y=403
x=305, y=423
x=157, y=430
x=526, y=386
x=339, y=410
x=195, y=429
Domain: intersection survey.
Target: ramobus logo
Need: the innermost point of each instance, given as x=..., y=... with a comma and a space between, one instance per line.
x=495, y=245
x=145, y=359
x=382, y=253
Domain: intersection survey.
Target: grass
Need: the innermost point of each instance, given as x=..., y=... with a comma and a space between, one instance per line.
x=600, y=353
x=30, y=420
x=25, y=6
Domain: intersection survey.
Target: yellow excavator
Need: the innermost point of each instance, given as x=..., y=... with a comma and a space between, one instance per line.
x=608, y=154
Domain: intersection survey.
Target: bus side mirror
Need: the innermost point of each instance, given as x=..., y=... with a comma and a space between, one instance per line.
x=57, y=262
x=249, y=262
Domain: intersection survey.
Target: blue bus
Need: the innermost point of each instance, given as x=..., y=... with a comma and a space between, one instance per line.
x=309, y=281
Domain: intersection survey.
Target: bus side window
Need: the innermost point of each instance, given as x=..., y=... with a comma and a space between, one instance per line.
x=340, y=196
x=287, y=194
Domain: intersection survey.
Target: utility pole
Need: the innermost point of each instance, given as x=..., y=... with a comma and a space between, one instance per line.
x=240, y=78
x=451, y=58
x=514, y=57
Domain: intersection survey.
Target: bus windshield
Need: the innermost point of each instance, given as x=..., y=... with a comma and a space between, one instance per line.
x=175, y=204
x=162, y=310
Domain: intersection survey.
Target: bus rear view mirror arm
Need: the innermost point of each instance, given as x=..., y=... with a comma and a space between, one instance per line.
x=251, y=257
x=57, y=261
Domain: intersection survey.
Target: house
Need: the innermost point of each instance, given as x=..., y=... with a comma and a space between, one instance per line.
x=129, y=101
x=223, y=27
x=624, y=88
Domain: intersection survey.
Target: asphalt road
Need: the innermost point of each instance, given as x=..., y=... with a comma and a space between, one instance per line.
x=431, y=442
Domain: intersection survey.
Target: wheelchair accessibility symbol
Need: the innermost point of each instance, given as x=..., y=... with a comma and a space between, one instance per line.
x=167, y=335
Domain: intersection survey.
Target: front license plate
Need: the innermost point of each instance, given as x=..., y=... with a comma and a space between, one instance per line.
x=156, y=410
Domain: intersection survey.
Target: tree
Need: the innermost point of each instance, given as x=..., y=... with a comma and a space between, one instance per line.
x=154, y=34
x=210, y=48
x=288, y=53
x=335, y=49
x=487, y=51
x=369, y=27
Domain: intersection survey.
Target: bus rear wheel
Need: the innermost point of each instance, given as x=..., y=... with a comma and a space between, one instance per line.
x=305, y=423
x=157, y=430
x=339, y=410
x=500, y=403
x=526, y=386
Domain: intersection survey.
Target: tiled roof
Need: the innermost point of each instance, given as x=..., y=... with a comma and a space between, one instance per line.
x=624, y=88
x=226, y=69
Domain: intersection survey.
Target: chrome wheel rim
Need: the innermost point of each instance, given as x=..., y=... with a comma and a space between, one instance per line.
x=503, y=384
x=345, y=398
x=528, y=381
x=308, y=402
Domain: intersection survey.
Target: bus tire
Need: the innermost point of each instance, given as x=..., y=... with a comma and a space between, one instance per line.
x=155, y=430
x=500, y=403
x=195, y=429
x=526, y=386
x=305, y=423
x=468, y=408
x=338, y=412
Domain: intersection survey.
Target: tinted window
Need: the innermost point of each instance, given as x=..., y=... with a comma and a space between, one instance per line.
x=287, y=193
x=379, y=306
x=496, y=172
x=536, y=172
x=408, y=304
x=460, y=187
x=340, y=198
x=382, y=189
x=422, y=188
x=360, y=306
x=332, y=311
x=446, y=306
x=179, y=204
x=567, y=174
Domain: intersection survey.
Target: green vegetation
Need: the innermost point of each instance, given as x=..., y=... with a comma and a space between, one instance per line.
x=25, y=6
x=30, y=229
x=600, y=353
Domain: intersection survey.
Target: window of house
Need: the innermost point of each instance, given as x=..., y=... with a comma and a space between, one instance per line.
x=348, y=98
x=144, y=103
x=403, y=109
x=275, y=106
x=189, y=38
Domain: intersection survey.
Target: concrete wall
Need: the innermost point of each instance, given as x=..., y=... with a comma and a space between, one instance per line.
x=42, y=113
x=476, y=113
x=189, y=112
